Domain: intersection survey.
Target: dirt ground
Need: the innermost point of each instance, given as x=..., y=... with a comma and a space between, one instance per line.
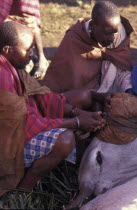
x=58, y=15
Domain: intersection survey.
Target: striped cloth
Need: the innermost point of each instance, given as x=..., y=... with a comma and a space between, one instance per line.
x=18, y=7
x=44, y=112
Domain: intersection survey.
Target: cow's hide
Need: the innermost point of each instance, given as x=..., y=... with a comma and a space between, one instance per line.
x=105, y=166
x=120, y=197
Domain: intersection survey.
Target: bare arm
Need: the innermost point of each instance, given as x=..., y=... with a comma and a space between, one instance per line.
x=86, y=121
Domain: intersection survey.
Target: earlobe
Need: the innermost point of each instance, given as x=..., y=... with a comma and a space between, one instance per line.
x=6, y=49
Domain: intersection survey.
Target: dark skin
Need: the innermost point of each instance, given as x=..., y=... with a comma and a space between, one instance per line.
x=104, y=32
x=19, y=56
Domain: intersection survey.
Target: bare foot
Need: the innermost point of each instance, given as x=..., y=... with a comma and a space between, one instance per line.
x=40, y=70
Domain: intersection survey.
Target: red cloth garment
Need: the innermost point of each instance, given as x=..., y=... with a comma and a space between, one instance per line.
x=17, y=7
x=73, y=67
x=44, y=111
x=5, y=6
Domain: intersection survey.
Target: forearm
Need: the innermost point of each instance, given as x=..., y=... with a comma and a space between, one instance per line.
x=70, y=123
x=71, y=111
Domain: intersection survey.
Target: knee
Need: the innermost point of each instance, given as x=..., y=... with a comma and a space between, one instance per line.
x=65, y=143
x=85, y=100
x=80, y=98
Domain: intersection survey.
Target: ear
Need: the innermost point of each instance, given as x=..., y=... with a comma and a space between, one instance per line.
x=6, y=50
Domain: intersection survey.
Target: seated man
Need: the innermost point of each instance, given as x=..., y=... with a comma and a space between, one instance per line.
x=27, y=13
x=93, y=54
x=49, y=137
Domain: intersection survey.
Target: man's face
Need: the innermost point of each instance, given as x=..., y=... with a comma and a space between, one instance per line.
x=21, y=54
x=106, y=30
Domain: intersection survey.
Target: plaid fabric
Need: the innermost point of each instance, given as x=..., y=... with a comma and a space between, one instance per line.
x=42, y=144
x=17, y=7
x=44, y=112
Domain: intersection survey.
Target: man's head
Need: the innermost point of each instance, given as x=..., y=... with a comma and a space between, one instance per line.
x=105, y=22
x=16, y=43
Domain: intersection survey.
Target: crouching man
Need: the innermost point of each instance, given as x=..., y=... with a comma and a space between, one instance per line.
x=50, y=121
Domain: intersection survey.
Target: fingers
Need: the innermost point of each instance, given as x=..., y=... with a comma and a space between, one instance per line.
x=96, y=115
x=91, y=121
x=108, y=102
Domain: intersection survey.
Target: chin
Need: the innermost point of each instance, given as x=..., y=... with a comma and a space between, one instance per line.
x=21, y=67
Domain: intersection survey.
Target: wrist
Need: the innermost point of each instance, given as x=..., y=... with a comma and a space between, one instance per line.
x=74, y=112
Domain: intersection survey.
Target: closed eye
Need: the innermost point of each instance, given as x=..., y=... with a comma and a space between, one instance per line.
x=99, y=158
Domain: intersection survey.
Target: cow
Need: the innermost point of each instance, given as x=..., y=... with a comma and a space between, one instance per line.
x=123, y=197
x=104, y=166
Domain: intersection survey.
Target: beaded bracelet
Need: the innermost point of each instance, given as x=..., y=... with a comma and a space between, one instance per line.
x=78, y=122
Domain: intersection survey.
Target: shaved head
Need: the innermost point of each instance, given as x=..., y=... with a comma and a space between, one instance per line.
x=104, y=9
x=10, y=32
x=16, y=43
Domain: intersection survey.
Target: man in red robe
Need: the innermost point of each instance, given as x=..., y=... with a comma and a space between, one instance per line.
x=93, y=54
x=49, y=119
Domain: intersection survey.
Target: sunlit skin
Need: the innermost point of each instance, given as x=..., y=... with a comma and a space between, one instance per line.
x=21, y=54
x=106, y=30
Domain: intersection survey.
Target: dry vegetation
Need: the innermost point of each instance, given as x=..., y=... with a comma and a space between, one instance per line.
x=59, y=187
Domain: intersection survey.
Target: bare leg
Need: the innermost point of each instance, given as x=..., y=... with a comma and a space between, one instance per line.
x=42, y=63
x=63, y=147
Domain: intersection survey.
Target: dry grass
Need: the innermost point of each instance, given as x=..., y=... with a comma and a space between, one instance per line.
x=51, y=193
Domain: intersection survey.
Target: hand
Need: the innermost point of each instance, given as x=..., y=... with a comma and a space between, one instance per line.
x=95, y=53
x=100, y=97
x=107, y=103
x=91, y=121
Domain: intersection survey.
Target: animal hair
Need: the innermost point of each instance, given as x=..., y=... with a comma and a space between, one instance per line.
x=104, y=9
x=8, y=34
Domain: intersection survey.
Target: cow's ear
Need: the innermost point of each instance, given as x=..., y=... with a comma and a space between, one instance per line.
x=5, y=50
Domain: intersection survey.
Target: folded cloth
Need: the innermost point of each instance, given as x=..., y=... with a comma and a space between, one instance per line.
x=134, y=79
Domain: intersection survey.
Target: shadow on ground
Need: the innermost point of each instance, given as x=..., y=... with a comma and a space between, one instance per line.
x=50, y=52
x=75, y=2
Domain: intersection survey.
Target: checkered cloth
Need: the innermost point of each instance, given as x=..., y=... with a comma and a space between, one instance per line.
x=42, y=144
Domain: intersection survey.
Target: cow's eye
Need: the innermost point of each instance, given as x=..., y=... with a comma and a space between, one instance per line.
x=99, y=158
